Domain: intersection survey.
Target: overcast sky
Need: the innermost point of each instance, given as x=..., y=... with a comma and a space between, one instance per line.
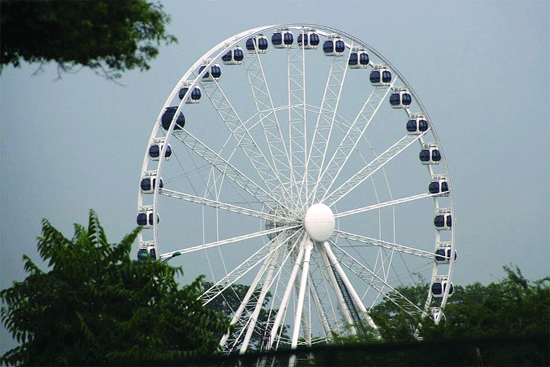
x=480, y=68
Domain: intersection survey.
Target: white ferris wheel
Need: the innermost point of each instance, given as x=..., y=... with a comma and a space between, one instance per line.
x=295, y=159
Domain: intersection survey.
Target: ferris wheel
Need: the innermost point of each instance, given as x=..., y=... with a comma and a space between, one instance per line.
x=296, y=160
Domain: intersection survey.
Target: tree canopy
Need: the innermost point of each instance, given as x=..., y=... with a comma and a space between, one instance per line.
x=108, y=36
x=96, y=306
x=514, y=306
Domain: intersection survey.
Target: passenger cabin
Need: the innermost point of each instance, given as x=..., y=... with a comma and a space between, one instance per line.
x=443, y=253
x=430, y=154
x=195, y=96
x=234, y=56
x=147, y=184
x=146, y=249
x=358, y=59
x=380, y=75
x=156, y=148
x=334, y=46
x=308, y=39
x=145, y=218
x=438, y=288
x=167, y=117
x=443, y=219
x=282, y=39
x=213, y=75
x=417, y=124
x=400, y=98
x=258, y=44
x=439, y=185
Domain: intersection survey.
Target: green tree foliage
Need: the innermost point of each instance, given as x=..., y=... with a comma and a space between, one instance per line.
x=108, y=36
x=96, y=306
x=513, y=306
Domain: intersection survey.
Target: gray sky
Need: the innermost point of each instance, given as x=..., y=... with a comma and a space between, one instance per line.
x=480, y=68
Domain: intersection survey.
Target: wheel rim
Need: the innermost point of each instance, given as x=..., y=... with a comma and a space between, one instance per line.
x=295, y=128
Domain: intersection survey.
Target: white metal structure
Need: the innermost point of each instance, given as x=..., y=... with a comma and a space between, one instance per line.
x=295, y=175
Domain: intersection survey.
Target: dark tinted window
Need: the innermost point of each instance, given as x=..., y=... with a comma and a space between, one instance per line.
x=227, y=56
x=375, y=77
x=277, y=39
x=250, y=44
x=167, y=118
x=216, y=71
x=364, y=58
x=439, y=221
x=440, y=255
x=146, y=184
x=142, y=254
x=154, y=151
x=262, y=43
x=434, y=187
x=437, y=288
x=182, y=93
x=411, y=126
x=352, y=59
x=340, y=46
x=289, y=38
x=424, y=155
x=328, y=47
x=422, y=125
x=196, y=94
x=395, y=99
x=314, y=39
x=386, y=76
x=141, y=219
x=406, y=97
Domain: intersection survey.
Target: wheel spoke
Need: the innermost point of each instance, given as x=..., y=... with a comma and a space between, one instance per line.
x=371, y=278
x=267, y=116
x=227, y=169
x=384, y=204
x=224, y=206
x=227, y=241
x=384, y=244
x=349, y=287
x=349, y=142
x=325, y=121
x=242, y=136
x=297, y=129
x=369, y=169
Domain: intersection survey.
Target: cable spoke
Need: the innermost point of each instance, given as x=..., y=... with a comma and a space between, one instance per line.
x=222, y=205
x=268, y=118
x=325, y=120
x=385, y=204
x=227, y=169
x=242, y=136
x=227, y=241
x=297, y=113
x=377, y=283
x=353, y=134
x=388, y=245
x=369, y=169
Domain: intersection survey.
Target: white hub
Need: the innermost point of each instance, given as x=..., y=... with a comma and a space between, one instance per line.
x=319, y=222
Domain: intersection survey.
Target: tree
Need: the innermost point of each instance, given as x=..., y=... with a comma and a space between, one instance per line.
x=108, y=36
x=512, y=307
x=96, y=306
